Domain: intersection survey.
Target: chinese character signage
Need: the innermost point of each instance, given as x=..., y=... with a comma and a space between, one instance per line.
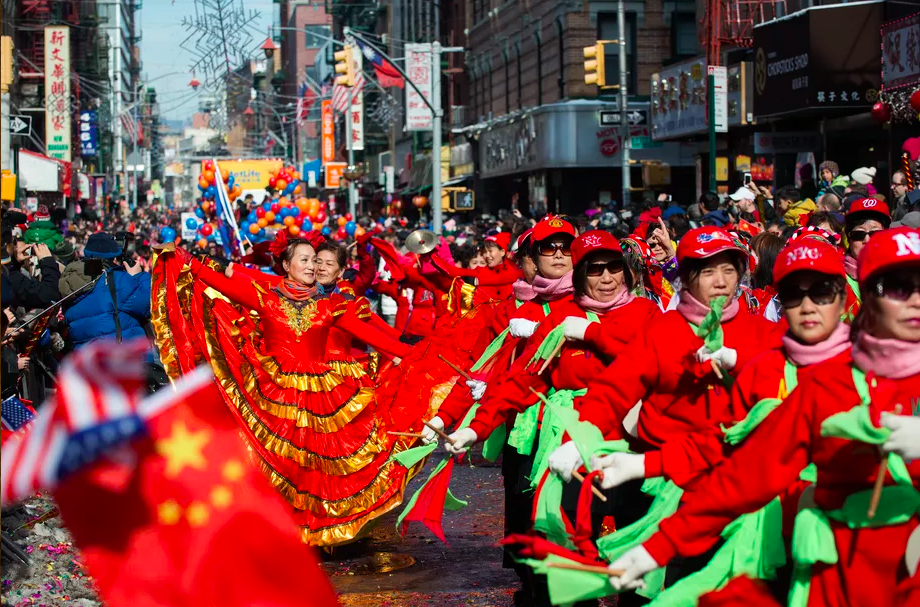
x=418, y=68
x=798, y=66
x=89, y=137
x=901, y=52
x=328, y=132
x=678, y=101
x=57, y=92
x=334, y=172
x=357, y=106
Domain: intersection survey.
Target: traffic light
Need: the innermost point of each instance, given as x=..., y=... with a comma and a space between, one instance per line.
x=594, y=64
x=345, y=67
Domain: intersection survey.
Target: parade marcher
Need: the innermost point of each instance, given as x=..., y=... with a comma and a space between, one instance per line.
x=849, y=548
x=496, y=278
x=865, y=218
x=321, y=438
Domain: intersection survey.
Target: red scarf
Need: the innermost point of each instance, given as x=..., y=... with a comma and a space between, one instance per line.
x=297, y=290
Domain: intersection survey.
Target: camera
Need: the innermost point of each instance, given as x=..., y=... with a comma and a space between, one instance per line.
x=128, y=244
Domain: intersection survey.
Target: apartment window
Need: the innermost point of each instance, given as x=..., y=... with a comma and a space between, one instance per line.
x=317, y=35
x=607, y=29
x=480, y=10
x=684, y=39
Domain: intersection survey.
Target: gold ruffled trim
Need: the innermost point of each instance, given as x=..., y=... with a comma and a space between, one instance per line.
x=162, y=331
x=305, y=382
x=347, y=368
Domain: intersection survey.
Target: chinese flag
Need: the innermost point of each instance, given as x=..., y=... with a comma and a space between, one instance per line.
x=182, y=517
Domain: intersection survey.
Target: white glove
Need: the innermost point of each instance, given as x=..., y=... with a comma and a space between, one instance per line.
x=565, y=460
x=464, y=438
x=634, y=564
x=428, y=435
x=726, y=358
x=477, y=388
x=575, y=328
x=619, y=468
x=521, y=327
x=905, y=436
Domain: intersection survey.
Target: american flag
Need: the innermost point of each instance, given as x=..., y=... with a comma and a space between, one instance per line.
x=100, y=406
x=340, y=93
x=15, y=413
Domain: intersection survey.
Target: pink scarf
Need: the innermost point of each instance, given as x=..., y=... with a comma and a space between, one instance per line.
x=523, y=290
x=849, y=265
x=551, y=289
x=803, y=355
x=621, y=299
x=891, y=358
x=694, y=311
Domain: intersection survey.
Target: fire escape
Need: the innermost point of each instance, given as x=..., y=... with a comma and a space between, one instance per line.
x=731, y=23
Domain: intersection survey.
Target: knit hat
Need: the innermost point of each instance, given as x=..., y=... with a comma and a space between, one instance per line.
x=502, y=239
x=829, y=165
x=808, y=254
x=102, y=246
x=593, y=241
x=886, y=251
x=65, y=252
x=41, y=214
x=863, y=175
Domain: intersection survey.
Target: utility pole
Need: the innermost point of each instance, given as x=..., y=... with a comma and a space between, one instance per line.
x=352, y=189
x=624, y=98
x=437, y=213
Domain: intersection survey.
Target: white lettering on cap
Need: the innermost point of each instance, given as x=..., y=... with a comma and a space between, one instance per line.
x=869, y=203
x=908, y=244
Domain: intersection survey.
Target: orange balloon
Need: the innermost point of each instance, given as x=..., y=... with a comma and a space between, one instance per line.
x=254, y=228
x=297, y=189
x=203, y=182
x=208, y=176
x=203, y=243
x=293, y=230
x=341, y=221
x=303, y=205
x=296, y=175
x=359, y=231
x=226, y=177
x=288, y=221
x=269, y=216
x=283, y=201
x=262, y=222
x=280, y=184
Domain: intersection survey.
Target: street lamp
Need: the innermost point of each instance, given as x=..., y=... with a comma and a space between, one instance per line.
x=269, y=47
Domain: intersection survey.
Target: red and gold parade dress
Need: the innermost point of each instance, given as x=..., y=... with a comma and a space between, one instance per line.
x=319, y=435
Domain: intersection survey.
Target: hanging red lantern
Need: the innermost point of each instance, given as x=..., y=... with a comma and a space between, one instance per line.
x=881, y=112
x=420, y=202
x=915, y=100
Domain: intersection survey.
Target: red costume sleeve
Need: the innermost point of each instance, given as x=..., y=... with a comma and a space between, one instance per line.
x=253, y=274
x=621, y=386
x=611, y=338
x=366, y=270
x=382, y=326
x=768, y=461
x=390, y=289
x=242, y=292
x=348, y=321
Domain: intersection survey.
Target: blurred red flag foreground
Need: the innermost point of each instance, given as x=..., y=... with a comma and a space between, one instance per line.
x=179, y=516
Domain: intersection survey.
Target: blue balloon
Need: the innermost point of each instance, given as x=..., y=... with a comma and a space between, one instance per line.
x=267, y=205
x=191, y=224
x=307, y=225
x=326, y=230
x=230, y=182
x=244, y=227
x=252, y=217
x=294, y=212
x=167, y=234
x=201, y=188
x=210, y=191
x=284, y=212
x=350, y=227
x=199, y=213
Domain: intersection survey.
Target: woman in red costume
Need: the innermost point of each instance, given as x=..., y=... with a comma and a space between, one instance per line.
x=853, y=419
x=496, y=278
x=864, y=219
x=318, y=434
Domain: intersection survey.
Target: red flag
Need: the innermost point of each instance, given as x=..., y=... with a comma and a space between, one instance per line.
x=182, y=518
x=428, y=504
x=391, y=258
x=750, y=228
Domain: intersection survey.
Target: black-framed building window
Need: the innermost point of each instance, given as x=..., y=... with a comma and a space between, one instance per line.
x=607, y=29
x=684, y=35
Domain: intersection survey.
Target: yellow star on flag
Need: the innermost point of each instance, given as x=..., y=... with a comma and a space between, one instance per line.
x=169, y=512
x=233, y=470
x=221, y=497
x=197, y=514
x=183, y=449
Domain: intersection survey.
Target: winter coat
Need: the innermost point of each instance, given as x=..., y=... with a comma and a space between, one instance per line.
x=73, y=278
x=41, y=292
x=92, y=315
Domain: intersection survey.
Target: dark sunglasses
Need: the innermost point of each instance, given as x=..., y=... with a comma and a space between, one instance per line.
x=613, y=266
x=861, y=235
x=897, y=288
x=548, y=249
x=820, y=293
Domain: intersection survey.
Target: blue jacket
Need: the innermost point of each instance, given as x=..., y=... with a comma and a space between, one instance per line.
x=92, y=316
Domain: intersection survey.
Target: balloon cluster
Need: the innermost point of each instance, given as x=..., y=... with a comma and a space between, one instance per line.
x=206, y=212
x=282, y=213
x=286, y=181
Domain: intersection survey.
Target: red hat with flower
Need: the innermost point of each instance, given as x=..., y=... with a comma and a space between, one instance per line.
x=593, y=241
x=282, y=240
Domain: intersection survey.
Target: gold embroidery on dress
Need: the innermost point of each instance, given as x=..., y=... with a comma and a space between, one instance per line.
x=300, y=319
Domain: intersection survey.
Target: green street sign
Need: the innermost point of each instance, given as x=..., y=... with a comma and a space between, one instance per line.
x=644, y=143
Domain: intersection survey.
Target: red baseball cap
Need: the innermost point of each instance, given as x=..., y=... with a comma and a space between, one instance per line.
x=888, y=250
x=590, y=242
x=702, y=243
x=502, y=239
x=551, y=226
x=808, y=254
x=522, y=241
x=868, y=208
